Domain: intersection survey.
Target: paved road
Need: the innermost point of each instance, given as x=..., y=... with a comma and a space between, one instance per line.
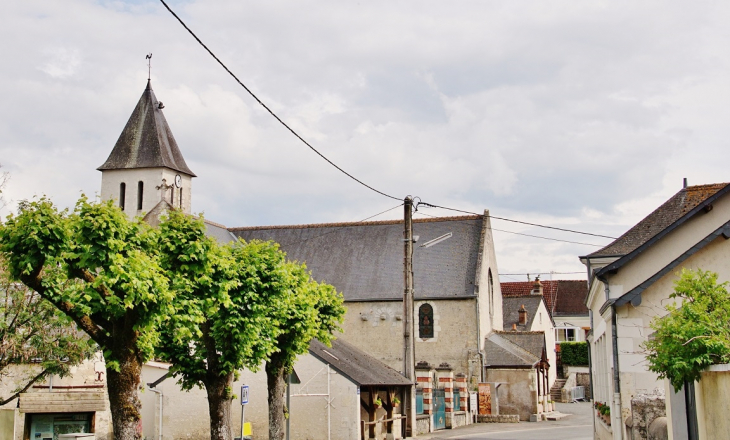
x=577, y=426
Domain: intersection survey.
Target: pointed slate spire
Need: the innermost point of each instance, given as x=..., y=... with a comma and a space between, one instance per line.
x=146, y=141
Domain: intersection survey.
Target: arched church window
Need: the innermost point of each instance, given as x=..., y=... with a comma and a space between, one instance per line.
x=140, y=194
x=425, y=321
x=122, y=194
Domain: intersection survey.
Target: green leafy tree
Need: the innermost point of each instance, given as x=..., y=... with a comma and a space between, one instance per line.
x=694, y=334
x=35, y=338
x=223, y=323
x=305, y=310
x=102, y=271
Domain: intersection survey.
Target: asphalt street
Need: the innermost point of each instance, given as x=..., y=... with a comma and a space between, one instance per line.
x=578, y=425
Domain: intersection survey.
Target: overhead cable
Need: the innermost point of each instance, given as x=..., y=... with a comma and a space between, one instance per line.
x=271, y=111
x=519, y=221
x=527, y=235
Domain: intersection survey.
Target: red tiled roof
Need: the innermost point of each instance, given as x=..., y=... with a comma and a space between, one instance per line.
x=562, y=297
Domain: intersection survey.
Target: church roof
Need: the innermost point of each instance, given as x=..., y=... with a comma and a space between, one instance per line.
x=364, y=260
x=146, y=141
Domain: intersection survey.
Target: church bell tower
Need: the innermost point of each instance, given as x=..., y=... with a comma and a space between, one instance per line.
x=146, y=167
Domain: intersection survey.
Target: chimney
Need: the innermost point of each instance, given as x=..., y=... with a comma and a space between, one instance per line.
x=514, y=327
x=684, y=183
x=523, y=315
x=537, y=287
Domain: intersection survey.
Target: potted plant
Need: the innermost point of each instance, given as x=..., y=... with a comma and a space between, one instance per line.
x=377, y=402
x=396, y=401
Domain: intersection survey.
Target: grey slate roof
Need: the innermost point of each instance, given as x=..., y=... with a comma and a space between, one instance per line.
x=364, y=260
x=218, y=231
x=511, y=307
x=146, y=141
x=673, y=210
x=513, y=349
x=355, y=364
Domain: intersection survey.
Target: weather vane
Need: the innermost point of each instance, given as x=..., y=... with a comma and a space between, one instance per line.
x=149, y=65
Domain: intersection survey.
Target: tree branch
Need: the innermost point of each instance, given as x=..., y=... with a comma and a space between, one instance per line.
x=38, y=377
x=34, y=281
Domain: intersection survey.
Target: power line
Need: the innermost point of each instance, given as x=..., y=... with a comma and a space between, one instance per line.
x=547, y=238
x=542, y=273
x=270, y=111
x=298, y=136
x=527, y=235
x=519, y=221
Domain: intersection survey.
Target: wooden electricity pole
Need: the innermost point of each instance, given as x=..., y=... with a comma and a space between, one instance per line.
x=409, y=356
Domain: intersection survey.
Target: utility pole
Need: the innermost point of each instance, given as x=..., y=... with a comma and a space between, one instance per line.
x=409, y=356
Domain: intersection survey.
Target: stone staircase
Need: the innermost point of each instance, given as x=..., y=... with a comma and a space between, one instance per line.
x=555, y=394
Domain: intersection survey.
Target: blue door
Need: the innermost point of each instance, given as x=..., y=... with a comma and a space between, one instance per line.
x=439, y=409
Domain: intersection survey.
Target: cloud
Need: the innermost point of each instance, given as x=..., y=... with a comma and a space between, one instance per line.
x=582, y=114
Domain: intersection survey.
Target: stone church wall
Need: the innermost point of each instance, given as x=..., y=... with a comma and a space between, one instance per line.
x=377, y=328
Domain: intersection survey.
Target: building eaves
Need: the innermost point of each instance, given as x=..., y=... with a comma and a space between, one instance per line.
x=358, y=366
x=634, y=295
x=681, y=207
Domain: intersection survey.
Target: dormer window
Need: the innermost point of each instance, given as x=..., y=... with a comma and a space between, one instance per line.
x=122, y=194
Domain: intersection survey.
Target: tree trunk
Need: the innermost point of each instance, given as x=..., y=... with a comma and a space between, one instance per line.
x=275, y=379
x=124, y=401
x=219, y=406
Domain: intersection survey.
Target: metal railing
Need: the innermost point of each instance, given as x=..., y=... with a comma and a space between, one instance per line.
x=577, y=393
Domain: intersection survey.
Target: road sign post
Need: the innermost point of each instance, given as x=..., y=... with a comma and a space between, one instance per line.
x=244, y=401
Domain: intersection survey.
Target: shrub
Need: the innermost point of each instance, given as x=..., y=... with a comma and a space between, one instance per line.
x=574, y=353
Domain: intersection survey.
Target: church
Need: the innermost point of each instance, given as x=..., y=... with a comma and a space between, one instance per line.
x=458, y=315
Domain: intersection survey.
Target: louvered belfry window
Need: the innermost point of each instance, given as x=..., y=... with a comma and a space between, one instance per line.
x=425, y=321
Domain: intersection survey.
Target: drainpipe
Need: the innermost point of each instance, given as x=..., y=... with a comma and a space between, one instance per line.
x=618, y=429
x=159, y=393
x=153, y=387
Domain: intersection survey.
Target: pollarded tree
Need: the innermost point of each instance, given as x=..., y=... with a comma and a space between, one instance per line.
x=102, y=271
x=693, y=335
x=305, y=310
x=224, y=320
x=35, y=338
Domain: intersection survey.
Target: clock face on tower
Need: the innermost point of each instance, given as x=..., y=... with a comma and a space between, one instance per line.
x=178, y=181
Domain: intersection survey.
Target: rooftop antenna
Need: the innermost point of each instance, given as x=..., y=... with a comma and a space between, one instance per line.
x=149, y=65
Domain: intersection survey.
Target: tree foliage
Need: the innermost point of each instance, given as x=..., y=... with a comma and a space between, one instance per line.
x=574, y=353
x=694, y=334
x=306, y=310
x=33, y=332
x=103, y=272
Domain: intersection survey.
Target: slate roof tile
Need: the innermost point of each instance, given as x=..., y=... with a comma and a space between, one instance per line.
x=664, y=216
x=364, y=260
x=146, y=141
x=357, y=365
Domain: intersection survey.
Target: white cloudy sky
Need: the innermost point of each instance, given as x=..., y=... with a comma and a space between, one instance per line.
x=576, y=114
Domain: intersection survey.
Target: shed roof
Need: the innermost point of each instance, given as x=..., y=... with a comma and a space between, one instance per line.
x=513, y=349
x=364, y=260
x=146, y=141
x=355, y=364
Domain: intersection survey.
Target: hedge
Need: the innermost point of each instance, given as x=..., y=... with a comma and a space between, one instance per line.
x=574, y=353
